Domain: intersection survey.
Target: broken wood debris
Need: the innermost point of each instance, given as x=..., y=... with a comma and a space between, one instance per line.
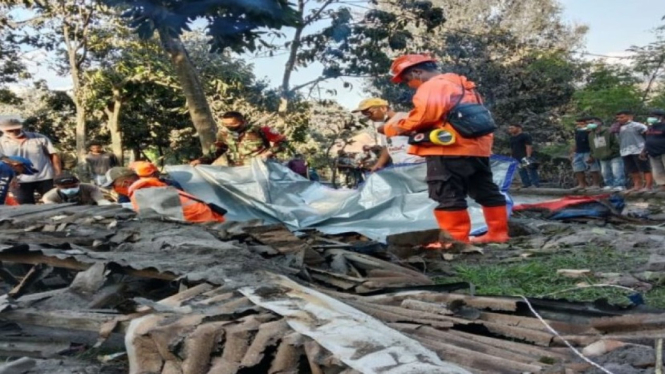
x=200, y=299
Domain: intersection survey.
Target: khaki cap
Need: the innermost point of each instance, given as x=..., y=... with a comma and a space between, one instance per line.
x=370, y=103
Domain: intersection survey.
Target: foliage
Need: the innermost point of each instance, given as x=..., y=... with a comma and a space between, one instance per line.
x=230, y=24
x=348, y=39
x=12, y=68
x=331, y=125
x=607, y=89
x=517, y=52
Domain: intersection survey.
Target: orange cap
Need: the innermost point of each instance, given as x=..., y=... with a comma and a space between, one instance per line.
x=404, y=62
x=143, y=168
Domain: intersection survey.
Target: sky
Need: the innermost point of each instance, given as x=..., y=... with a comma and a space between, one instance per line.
x=614, y=26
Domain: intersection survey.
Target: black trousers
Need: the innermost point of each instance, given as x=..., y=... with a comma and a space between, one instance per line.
x=451, y=179
x=25, y=192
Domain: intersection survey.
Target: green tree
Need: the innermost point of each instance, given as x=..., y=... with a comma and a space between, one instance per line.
x=518, y=52
x=63, y=27
x=232, y=25
x=607, y=89
x=649, y=63
x=348, y=43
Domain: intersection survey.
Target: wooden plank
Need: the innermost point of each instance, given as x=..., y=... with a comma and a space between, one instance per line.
x=66, y=319
x=535, y=324
x=34, y=258
x=32, y=277
x=478, y=360
x=629, y=323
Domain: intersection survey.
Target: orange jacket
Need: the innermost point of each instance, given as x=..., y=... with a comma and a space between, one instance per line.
x=431, y=104
x=192, y=209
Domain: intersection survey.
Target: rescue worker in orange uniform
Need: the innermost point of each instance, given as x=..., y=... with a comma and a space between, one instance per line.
x=459, y=166
x=146, y=169
x=126, y=181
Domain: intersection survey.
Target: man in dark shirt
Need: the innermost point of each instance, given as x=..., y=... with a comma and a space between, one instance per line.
x=521, y=146
x=99, y=162
x=581, y=157
x=298, y=165
x=655, y=146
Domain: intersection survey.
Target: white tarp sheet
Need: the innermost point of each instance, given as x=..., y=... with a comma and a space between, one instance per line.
x=392, y=201
x=360, y=341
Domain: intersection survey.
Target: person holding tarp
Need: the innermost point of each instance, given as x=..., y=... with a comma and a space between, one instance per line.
x=126, y=182
x=10, y=167
x=240, y=141
x=69, y=189
x=146, y=169
x=393, y=150
x=451, y=128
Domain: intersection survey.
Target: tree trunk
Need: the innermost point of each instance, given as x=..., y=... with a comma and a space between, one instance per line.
x=291, y=64
x=80, y=131
x=136, y=154
x=197, y=104
x=114, y=129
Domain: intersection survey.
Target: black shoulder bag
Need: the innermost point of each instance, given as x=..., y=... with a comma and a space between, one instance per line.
x=471, y=120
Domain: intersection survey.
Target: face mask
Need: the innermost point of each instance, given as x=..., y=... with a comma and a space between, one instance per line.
x=652, y=120
x=70, y=191
x=592, y=126
x=415, y=83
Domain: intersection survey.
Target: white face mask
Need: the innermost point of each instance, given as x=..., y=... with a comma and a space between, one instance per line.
x=70, y=191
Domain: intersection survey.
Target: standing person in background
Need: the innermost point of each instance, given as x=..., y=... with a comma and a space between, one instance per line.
x=298, y=165
x=521, y=146
x=581, y=157
x=605, y=149
x=632, y=141
x=99, y=162
x=654, y=146
x=39, y=150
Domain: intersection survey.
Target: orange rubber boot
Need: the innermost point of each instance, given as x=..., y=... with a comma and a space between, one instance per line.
x=497, y=226
x=456, y=223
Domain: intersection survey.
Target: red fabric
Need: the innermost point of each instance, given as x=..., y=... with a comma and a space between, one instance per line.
x=566, y=202
x=9, y=200
x=272, y=135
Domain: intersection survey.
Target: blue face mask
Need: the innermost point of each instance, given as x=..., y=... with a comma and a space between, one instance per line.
x=652, y=120
x=70, y=191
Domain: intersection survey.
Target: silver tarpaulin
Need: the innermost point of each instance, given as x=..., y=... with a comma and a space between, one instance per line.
x=392, y=201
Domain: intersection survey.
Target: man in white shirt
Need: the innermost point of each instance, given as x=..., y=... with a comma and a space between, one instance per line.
x=394, y=149
x=35, y=147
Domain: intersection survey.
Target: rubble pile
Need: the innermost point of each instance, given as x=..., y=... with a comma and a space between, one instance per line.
x=97, y=290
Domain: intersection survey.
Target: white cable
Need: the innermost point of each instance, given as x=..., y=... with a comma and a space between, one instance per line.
x=553, y=331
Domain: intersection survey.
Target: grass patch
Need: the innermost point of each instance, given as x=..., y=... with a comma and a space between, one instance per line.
x=537, y=277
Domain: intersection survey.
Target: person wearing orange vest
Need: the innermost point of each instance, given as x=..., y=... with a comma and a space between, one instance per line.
x=126, y=181
x=146, y=169
x=457, y=166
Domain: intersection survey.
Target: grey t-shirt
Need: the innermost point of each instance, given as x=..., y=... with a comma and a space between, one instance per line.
x=88, y=195
x=36, y=148
x=631, y=138
x=101, y=163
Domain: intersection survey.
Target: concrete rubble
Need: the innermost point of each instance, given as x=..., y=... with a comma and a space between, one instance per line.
x=96, y=290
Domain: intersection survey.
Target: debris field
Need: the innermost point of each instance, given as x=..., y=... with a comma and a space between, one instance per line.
x=99, y=290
